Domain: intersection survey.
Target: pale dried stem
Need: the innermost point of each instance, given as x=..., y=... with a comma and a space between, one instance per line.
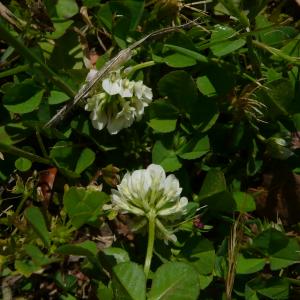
x=233, y=251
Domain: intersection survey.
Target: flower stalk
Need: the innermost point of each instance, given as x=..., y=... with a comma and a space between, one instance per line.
x=150, y=246
x=22, y=153
x=146, y=64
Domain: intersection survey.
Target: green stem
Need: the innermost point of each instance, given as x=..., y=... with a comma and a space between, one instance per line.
x=19, y=152
x=253, y=57
x=24, y=198
x=41, y=143
x=277, y=52
x=15, y=70
x=28, y=54
x=140, y=66
x=261, y=138
x=151, y=238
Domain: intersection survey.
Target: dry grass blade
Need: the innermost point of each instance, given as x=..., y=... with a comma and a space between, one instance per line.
x=233, y=251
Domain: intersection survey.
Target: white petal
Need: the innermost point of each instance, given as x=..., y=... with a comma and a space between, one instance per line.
x=100, y=120
x=126, y=90
x=158, y=176
x=178, y=208
x=111, y=87
x=172, y=189
x=147, y=93
x=115, y=126
x=138, y=89
x=139, y=107
x=91, y=75
x=156, y=171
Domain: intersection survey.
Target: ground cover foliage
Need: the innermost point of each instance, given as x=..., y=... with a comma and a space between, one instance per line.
x=216, y=104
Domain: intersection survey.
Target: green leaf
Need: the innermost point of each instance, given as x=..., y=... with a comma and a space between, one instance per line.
x=63, y=153
x=286, y=256
x=222, y=45
x=129, y=9
x=37, y=256
x=270, y=241
x=281, y=250
x=206, y=87
x=83, y=205
x=87, y=248
x=244, y=202
x=293, y=47
x=66, y=9
x=26, y=268
x=272, y=34
x=129, y=282
x=37, y=221
x=200, y=253
x=104, y=292
x=205, y=280
x=180, y=89
x=23, y=164
x=205, y=114
x=272, y=288
x=296, y=120
x=60, y=28
x=110, y=257
x=195, y=148
x=57, y=97
x=120, y=31
x=221, y=78
x=214, y=183
x=249, y=265
x=235, y=10
x=86, y=158
x=4, y=136
x=254, y=7
x=163, y=116
x=175, y=281
x=187, y=52
x=118, y=254
x=23, y=97
x=66, y=282
x=221, y=202
x=105, y=15
x=163, y=126
x=165, y=157
x=278, y=96
x=178, y=60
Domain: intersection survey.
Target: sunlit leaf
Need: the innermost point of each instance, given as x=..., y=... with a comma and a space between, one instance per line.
x=23, y=164
x=66, y=9
x=83, y=205
x=249, y=265
x=37, y=221
x=129, y=282
x=165, y=157
x=23, y=98
x=224, y=42
x=86, y=158
x=175, y=281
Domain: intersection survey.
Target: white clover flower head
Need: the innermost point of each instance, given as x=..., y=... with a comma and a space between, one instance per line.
x=150, y=191
x=119, y=102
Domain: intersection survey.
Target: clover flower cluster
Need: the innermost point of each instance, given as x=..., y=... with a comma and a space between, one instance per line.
x=149, y=191
x=119, y=102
